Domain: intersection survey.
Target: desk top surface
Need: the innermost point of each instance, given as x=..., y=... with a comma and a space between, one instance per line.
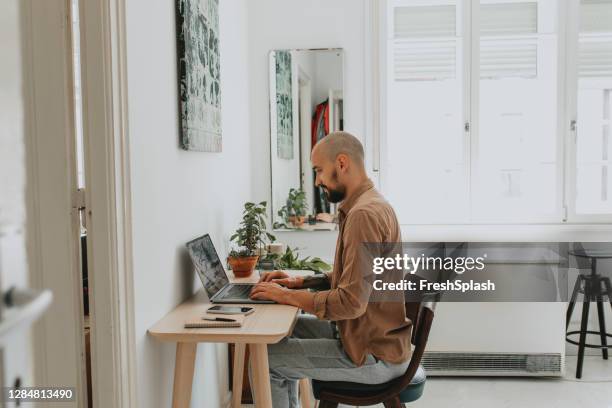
x=269, y=323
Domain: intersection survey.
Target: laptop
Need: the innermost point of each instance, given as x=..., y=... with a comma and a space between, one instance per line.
x=212, y=274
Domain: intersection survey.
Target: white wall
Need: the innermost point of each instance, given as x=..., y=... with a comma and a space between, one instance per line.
x=329, y=74
x=305, y=62
x=179, y=195
x=289, y=24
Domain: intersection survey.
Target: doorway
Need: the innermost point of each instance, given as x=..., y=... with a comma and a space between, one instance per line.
x=79, y=188
x=78, y=155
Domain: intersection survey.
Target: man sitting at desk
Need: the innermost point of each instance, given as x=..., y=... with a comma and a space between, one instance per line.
x=349, y=338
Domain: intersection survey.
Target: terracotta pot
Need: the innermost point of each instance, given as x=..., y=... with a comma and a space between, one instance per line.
x=297, y=220
x=243, y=266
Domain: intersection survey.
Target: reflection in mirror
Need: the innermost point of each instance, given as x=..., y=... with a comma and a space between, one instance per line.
x=306, y=104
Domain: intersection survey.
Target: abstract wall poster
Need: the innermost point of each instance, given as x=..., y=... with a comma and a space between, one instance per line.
x=284, y=105
x=197, y=24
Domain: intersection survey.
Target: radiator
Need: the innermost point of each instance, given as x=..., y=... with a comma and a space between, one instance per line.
x=493, y=364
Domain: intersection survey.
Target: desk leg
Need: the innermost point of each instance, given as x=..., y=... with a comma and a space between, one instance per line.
x=261, y=375
x=305, y=400
x=239, y=351
x=183, y=374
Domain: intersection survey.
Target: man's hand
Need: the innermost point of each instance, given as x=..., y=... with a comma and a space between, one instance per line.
x=280, y=294
x=270, y=291
x=283, y=279
x=325, y=217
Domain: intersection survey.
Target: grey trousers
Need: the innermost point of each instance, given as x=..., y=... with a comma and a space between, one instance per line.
x=314, y=351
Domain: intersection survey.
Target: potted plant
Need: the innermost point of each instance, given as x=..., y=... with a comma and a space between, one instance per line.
x=295, y=209
x=250, y=238
x=291, y=260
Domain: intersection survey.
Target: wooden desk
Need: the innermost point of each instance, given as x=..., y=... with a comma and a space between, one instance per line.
x=268, y=324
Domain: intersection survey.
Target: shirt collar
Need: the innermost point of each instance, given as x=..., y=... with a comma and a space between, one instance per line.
x=349, y=202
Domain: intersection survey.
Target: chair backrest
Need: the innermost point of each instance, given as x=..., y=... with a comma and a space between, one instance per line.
x=412, y=313
x=422, y=315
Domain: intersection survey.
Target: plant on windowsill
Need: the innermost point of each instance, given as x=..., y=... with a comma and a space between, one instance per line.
x=294, y=211
x=291, y=260
x=250, y=238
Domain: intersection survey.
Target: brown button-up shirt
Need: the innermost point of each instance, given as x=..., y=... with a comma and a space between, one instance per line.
x=365, y=327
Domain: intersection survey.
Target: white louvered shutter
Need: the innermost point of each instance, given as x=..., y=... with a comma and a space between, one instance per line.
x=509, y=40
x=424, y=42
x=595, y=56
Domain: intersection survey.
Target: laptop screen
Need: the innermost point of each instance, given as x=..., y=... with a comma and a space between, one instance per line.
x=207, y=264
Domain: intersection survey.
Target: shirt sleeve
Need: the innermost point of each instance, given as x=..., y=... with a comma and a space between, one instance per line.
x=317, y=282
x=349, y=298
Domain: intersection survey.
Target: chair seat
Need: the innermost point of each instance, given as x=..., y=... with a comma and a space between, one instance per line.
x=411, y=393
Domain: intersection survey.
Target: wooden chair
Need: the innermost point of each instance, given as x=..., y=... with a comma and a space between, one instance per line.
x=393, y=394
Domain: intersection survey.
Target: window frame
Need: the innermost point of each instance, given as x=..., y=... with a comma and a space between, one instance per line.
x=572, y=123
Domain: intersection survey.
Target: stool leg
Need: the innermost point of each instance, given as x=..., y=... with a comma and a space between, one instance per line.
x=602, y=325
x=572, y=302
x=583, y=327
x=608, y=285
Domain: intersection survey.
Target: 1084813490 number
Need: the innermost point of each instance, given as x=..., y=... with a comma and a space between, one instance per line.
x=32, y=394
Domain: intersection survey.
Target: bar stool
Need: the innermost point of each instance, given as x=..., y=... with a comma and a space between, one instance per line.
x=594, y=288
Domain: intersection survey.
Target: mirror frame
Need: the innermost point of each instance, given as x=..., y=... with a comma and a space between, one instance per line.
x=272, y=125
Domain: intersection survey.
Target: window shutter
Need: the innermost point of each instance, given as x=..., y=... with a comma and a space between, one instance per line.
x=508, y=19
x=595, y=56
x=596, y=16
x=509, y=40
x=424, y=42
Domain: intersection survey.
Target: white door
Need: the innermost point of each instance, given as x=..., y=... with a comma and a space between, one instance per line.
x=41, y=31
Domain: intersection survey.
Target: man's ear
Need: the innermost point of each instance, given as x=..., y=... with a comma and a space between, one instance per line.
x=342, y=160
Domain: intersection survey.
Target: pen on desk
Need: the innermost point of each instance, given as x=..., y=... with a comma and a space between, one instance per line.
x=218, y=319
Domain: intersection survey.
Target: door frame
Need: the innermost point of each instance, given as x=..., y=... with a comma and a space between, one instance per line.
x=108, y=193
x=108, y=198
x=305, y=107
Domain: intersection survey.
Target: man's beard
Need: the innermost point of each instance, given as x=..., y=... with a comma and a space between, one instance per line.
x=335, y=195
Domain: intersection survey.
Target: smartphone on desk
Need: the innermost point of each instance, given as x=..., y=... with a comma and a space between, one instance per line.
x=218, y=309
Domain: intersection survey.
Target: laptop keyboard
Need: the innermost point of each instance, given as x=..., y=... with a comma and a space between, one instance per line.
x=238, y=292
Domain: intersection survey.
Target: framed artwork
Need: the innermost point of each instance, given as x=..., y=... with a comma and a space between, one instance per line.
x=284, y=105
x=197, y=24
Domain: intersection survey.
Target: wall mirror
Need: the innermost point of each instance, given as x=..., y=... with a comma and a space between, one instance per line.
x=306, y=104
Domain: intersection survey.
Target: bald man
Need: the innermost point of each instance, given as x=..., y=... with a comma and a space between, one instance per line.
x=346, y=336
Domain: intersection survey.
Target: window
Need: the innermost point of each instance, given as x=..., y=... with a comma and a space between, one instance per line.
x=425, y=156
x=594, y=109
x=475, y=125
x=515, y=138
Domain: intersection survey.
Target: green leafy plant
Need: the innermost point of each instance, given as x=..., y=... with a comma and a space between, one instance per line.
x=296, y=205
x=279, y=225
x=291, y=260
x=252, y=233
